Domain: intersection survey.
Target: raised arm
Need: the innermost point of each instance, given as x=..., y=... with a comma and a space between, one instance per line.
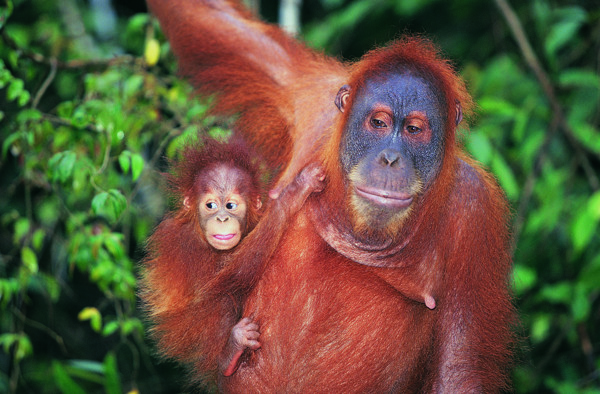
x=257, y=72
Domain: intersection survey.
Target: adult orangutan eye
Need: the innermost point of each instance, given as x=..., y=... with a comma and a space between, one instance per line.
x=231, y=205
x=211, y=205
x=413, y=129
x=378, y=123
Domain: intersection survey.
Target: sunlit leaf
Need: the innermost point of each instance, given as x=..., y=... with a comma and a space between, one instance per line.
x=137, y=166
x=29, y=259
x=93, y=315
x=152, y=52
x=125, y=161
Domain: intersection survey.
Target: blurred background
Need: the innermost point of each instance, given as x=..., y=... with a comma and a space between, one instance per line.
x=90, y=107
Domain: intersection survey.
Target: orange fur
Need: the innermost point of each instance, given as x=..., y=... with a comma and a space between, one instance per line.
x=327, y=322
x=191, y=322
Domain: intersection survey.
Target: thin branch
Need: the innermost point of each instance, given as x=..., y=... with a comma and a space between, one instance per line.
x=46, y=84
x=71, y=64
x=51, y=333
x=65, y=122
x=533, y=62
x=106, y=152
x=530, y=184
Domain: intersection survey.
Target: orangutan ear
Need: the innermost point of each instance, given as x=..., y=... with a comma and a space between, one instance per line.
x=458, y=112
x=341, y=100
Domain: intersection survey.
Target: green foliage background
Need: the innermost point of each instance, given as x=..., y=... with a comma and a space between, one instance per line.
x=87, y=118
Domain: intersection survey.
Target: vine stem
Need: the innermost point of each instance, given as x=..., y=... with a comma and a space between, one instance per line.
x=533, y=62
x=46, y=84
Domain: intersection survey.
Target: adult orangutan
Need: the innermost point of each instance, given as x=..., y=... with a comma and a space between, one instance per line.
x=396, y=277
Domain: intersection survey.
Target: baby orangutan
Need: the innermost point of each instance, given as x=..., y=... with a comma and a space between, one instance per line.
x=196, y=277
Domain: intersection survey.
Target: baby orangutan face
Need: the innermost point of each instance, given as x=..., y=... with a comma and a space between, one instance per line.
x=223, y=206
x=222, y=218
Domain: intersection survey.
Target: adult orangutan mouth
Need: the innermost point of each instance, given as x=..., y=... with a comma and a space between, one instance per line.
x=386, y=198
x=224, y=237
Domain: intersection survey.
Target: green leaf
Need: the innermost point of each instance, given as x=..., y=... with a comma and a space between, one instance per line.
x=540, y=327
x=112, y=383
x=505, y=176
x=22, y=345
x=345, y=19
x=93, y=367
x=132, y=324
x=114, y=245
x=93, y=315
x=15, y=89
x=219, y=133
x=51, y=286
x=9, y=141
x=29, y=115
x=37, y=240
x=109, y=205
x=559, y=293
x=23, y=98
x=524, y=278
x=594, y=205
x=133, y=85
x=584, y=224
x=564, y=30
x=61, y=166
x=137, y=166
x=125, y=161
x=587, y=135
x=29, y=259
x=579, y=77
x=64, y=382
x=580, y=305
x=152, y=52
x=497, y=106
x=480, y=147
x=21, y=230
x=110, y=328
